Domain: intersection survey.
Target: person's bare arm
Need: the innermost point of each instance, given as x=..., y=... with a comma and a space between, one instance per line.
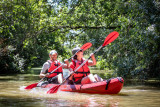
x=93, y=62
x=66, y=65
x=43, y=75
x=43, y=71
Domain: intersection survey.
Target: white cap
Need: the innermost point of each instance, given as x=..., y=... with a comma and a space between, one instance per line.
x=75, y=50
x=53, y=52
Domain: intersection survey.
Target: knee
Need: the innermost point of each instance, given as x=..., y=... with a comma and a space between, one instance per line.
x=60, y=79
x=95, y=75
x=59, y=75
x=90, y=75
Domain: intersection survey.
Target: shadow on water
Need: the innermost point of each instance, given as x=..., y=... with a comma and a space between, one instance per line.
x=18, y=102
x=12, y=93
x=18, y=77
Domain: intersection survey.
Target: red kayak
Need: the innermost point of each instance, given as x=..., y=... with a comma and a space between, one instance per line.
x=110, y=86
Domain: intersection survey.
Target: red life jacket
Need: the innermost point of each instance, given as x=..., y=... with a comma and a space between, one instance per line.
x=54, y=65
x=81, y=72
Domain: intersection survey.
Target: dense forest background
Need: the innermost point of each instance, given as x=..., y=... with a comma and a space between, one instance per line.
x=31, y=28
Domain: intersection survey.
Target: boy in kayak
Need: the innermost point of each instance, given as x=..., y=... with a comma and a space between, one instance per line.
x=82, y=75
x=57, y=76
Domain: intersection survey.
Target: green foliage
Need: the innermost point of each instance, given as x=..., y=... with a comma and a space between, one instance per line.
x=29, y=29
x=101, y=64
x=25, y=28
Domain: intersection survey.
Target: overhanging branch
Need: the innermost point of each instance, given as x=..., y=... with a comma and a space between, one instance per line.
x=83, y=27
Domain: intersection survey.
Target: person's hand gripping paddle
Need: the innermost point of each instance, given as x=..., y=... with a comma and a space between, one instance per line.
x=84, y=47
x=110, y=38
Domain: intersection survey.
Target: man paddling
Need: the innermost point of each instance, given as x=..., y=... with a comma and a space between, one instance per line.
x=57, y=76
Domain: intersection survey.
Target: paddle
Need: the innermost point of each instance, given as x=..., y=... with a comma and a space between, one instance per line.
x=110, y=38
x=84, y=47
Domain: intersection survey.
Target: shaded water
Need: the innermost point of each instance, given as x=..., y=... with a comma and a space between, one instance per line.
x=12, y=93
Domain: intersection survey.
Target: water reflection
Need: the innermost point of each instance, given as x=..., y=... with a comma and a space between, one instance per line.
x=12, y=93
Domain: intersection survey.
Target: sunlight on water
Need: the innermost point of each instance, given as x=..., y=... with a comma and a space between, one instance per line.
x=12, y=92
x=67, y=97
x=133, y=90
x=42, y=93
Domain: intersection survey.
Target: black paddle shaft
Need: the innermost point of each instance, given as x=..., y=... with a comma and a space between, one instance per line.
x=88, y=58
x=81, y=64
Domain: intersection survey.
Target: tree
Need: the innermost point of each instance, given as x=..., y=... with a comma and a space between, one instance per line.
x=43, y=25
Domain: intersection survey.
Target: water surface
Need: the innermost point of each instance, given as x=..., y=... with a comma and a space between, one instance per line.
x=12, y=93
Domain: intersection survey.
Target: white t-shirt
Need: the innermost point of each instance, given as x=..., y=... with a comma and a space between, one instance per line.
x=45, y=67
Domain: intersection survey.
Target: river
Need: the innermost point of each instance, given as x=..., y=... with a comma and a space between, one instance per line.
x=12, y=94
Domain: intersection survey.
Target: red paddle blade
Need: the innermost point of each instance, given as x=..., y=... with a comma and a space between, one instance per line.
x=110, y=38
x=53, y=89
x=86, y=46
x=31, y=86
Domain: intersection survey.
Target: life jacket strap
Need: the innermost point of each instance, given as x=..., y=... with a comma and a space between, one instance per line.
x=82, y=72
x=57, y=72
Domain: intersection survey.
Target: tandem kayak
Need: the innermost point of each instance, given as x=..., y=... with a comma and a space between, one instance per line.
x=110, y=86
